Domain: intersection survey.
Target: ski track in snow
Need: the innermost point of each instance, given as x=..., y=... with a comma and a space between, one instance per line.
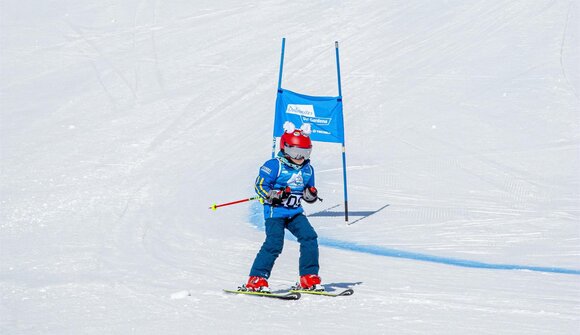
x=256, y=221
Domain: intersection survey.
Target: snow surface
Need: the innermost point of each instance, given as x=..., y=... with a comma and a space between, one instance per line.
x=122, y=121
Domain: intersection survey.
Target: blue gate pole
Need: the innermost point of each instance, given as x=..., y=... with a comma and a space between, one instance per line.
x=281, y=63
x=279, y=92
x=343, y=140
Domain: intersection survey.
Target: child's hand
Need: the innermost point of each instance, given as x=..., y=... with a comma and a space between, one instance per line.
x=310, y=194
x=276, y=197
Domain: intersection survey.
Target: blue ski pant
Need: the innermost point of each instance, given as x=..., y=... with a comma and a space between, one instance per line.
x=299, y=226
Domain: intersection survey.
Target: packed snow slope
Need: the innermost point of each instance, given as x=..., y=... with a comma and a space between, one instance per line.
x=122, y=121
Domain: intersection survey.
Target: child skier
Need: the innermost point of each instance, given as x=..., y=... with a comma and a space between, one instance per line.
x=283, y=182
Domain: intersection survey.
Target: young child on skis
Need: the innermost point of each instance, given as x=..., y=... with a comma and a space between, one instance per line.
x=283, y=182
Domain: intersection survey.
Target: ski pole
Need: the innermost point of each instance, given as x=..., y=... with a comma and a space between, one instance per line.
x=216, y=206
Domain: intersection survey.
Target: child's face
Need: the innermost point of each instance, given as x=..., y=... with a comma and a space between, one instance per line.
x=297, y=161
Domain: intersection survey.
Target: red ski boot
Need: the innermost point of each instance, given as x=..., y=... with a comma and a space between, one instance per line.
x=310, y=282
x=258, y=284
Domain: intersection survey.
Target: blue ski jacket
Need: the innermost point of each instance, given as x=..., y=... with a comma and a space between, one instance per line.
x=276, y=174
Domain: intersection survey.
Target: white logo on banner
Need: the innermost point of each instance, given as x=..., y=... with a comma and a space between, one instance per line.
x=303, y=110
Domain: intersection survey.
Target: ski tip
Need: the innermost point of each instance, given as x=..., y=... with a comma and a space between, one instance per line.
x=292, y=296
x=347, y=292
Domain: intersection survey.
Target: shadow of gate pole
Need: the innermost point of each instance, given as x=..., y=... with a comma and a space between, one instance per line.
x=328, y=212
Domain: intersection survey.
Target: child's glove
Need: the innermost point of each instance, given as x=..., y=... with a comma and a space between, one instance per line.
x=276, y=197
x=310, y=194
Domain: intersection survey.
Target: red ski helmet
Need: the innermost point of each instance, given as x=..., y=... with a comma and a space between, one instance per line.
x=296, y=143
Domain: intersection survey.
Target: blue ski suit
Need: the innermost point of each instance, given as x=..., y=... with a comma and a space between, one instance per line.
x=276, y=174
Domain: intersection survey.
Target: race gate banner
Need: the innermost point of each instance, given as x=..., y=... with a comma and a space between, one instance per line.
x=323, y=113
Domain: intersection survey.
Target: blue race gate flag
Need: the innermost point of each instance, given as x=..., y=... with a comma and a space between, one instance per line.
x=323, y=113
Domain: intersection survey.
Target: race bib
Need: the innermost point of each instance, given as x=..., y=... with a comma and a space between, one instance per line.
x=293, y=201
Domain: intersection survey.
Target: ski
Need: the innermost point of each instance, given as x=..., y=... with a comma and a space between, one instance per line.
x=324, y=293
x=282, y=296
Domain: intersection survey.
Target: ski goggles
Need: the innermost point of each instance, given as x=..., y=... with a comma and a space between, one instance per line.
x=297, y=153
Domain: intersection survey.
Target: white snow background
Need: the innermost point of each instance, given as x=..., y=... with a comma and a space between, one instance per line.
x=123, y=121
